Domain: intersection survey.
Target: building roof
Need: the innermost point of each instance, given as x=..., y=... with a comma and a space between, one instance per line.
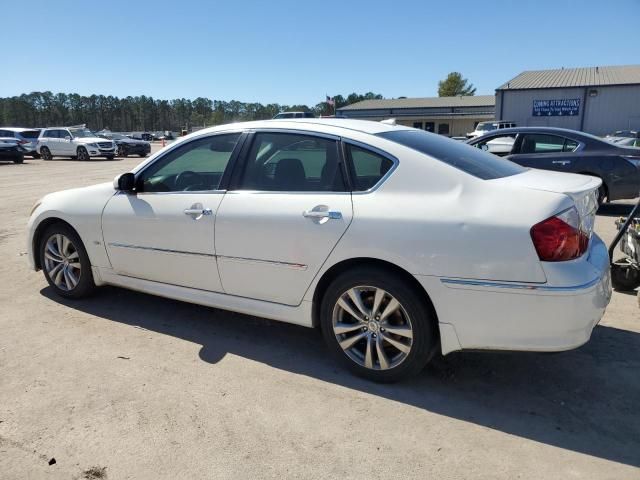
x=575, y=77
x=427, y=102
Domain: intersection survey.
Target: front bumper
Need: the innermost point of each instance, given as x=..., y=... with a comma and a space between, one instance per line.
x=479, y=314
x=101, y=152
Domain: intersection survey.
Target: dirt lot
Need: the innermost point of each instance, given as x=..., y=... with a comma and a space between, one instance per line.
x=126, y=385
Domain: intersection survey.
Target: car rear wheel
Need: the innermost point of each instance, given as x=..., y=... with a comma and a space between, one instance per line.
x=121, y=151
x=625, y=276
x=377, y=325
x=46, y=153
x=83, y=155
x=19, y=159
x=143, y=154
x=65, y=262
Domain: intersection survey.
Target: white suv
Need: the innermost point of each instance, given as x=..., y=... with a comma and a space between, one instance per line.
x=485, y=127
x=74, y=142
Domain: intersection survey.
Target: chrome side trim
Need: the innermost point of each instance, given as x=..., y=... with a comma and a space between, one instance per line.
x=161, y=250
x=519, y=286
x=294, y=266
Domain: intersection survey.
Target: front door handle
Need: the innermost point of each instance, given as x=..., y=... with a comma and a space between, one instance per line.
x=319, y=214
x=197, y=211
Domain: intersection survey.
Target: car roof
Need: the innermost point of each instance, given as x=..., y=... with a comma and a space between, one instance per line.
x=18, y=129
x=312, y=124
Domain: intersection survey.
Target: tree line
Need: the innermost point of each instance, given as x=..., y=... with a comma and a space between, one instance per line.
x=142, y=113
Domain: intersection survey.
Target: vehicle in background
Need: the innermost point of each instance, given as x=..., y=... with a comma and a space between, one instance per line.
x=127, y=146
x=569, y=151
x=166, y=135
x=282, y=115
x=11, y=150
x=27, y=138
x=623, y=134
x=421, y=245
x=486, y=127
x=626, y=142
x=74, y=142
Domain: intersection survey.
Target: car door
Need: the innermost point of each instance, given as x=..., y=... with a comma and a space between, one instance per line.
x=545, y=151
x=164, y=231
x=285, y=211
x=51, y=141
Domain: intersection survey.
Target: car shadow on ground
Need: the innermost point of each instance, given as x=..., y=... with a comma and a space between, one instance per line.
x=585, y=400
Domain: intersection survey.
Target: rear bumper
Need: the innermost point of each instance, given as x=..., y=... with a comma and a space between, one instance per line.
x=492, y=315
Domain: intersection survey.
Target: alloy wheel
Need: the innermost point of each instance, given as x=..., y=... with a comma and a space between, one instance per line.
x=83, y=154
x=45, y=153
x=372, y=328
x=62, y=262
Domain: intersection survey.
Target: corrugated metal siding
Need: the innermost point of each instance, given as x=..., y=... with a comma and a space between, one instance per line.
x=614, y=108
x=575, y=77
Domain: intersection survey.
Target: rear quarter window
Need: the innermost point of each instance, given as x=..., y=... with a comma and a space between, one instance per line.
x=459, y=155
x=30, y=133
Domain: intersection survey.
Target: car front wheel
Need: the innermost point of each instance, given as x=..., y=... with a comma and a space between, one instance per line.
x=378, y=325
x=65, y=262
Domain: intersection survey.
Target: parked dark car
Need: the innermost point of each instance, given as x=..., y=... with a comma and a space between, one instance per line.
x=565, y=150
x=128, y=146
x=11, y=150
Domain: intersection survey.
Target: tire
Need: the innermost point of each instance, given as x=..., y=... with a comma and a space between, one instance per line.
x=109, y=157
x=83, y=155
x=121, y=151
x=624, y=277
x=405, y=351
x=65, y=262
x=35, y=156
x=19, y=159
x=602, y=194
x=143, y=154
x=45, y=153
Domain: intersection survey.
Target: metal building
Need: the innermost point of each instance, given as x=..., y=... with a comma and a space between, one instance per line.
x=596, y=100
x=452, y=116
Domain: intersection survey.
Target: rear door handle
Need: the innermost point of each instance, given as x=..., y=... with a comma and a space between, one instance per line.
x=318, y=214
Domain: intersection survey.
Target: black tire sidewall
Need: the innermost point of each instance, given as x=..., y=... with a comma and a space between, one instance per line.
x=86, y=285
x=425, y=338
x=82, y=154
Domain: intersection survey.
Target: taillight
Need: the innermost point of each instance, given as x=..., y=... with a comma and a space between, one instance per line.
x=560, y=237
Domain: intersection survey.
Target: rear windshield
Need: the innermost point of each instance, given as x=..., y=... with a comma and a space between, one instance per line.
x=464, y=157
x=30, y=133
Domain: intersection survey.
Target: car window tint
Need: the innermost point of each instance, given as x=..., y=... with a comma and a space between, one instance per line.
x=30, y=133
x=456, y=154
x=570, y=145
x=292, y=163
x=195, y=166
x=541, y=143
x=367, y=167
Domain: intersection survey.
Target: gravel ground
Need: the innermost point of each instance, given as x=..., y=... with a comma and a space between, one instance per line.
x=126, y=385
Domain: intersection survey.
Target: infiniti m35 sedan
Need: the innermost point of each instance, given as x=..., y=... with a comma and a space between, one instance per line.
x=395, y=242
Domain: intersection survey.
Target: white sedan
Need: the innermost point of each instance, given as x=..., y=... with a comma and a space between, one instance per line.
x=396, y=242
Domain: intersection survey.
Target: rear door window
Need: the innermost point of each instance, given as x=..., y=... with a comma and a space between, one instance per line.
x=367, y=167
x=544, y=143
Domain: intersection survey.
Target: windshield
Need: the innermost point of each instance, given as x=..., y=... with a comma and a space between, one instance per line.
x=81, y=132
x=118, y=136
x=459, y=155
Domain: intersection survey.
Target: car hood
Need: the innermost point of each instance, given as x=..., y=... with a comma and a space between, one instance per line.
x=91, y=140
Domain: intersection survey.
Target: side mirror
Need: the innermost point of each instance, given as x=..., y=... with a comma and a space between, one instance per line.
x=67, y=138
x=484, y=147
x=125, y=182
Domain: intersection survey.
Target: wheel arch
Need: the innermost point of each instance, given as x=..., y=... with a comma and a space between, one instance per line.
x=39, y=232
x=336, y=270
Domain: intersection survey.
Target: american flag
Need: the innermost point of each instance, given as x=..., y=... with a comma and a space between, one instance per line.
x=330, y=100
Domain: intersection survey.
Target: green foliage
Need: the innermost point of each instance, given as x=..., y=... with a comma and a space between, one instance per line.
x=45, y=109
x=455, y=85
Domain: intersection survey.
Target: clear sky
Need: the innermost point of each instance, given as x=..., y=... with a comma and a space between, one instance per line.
x=294, y=52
